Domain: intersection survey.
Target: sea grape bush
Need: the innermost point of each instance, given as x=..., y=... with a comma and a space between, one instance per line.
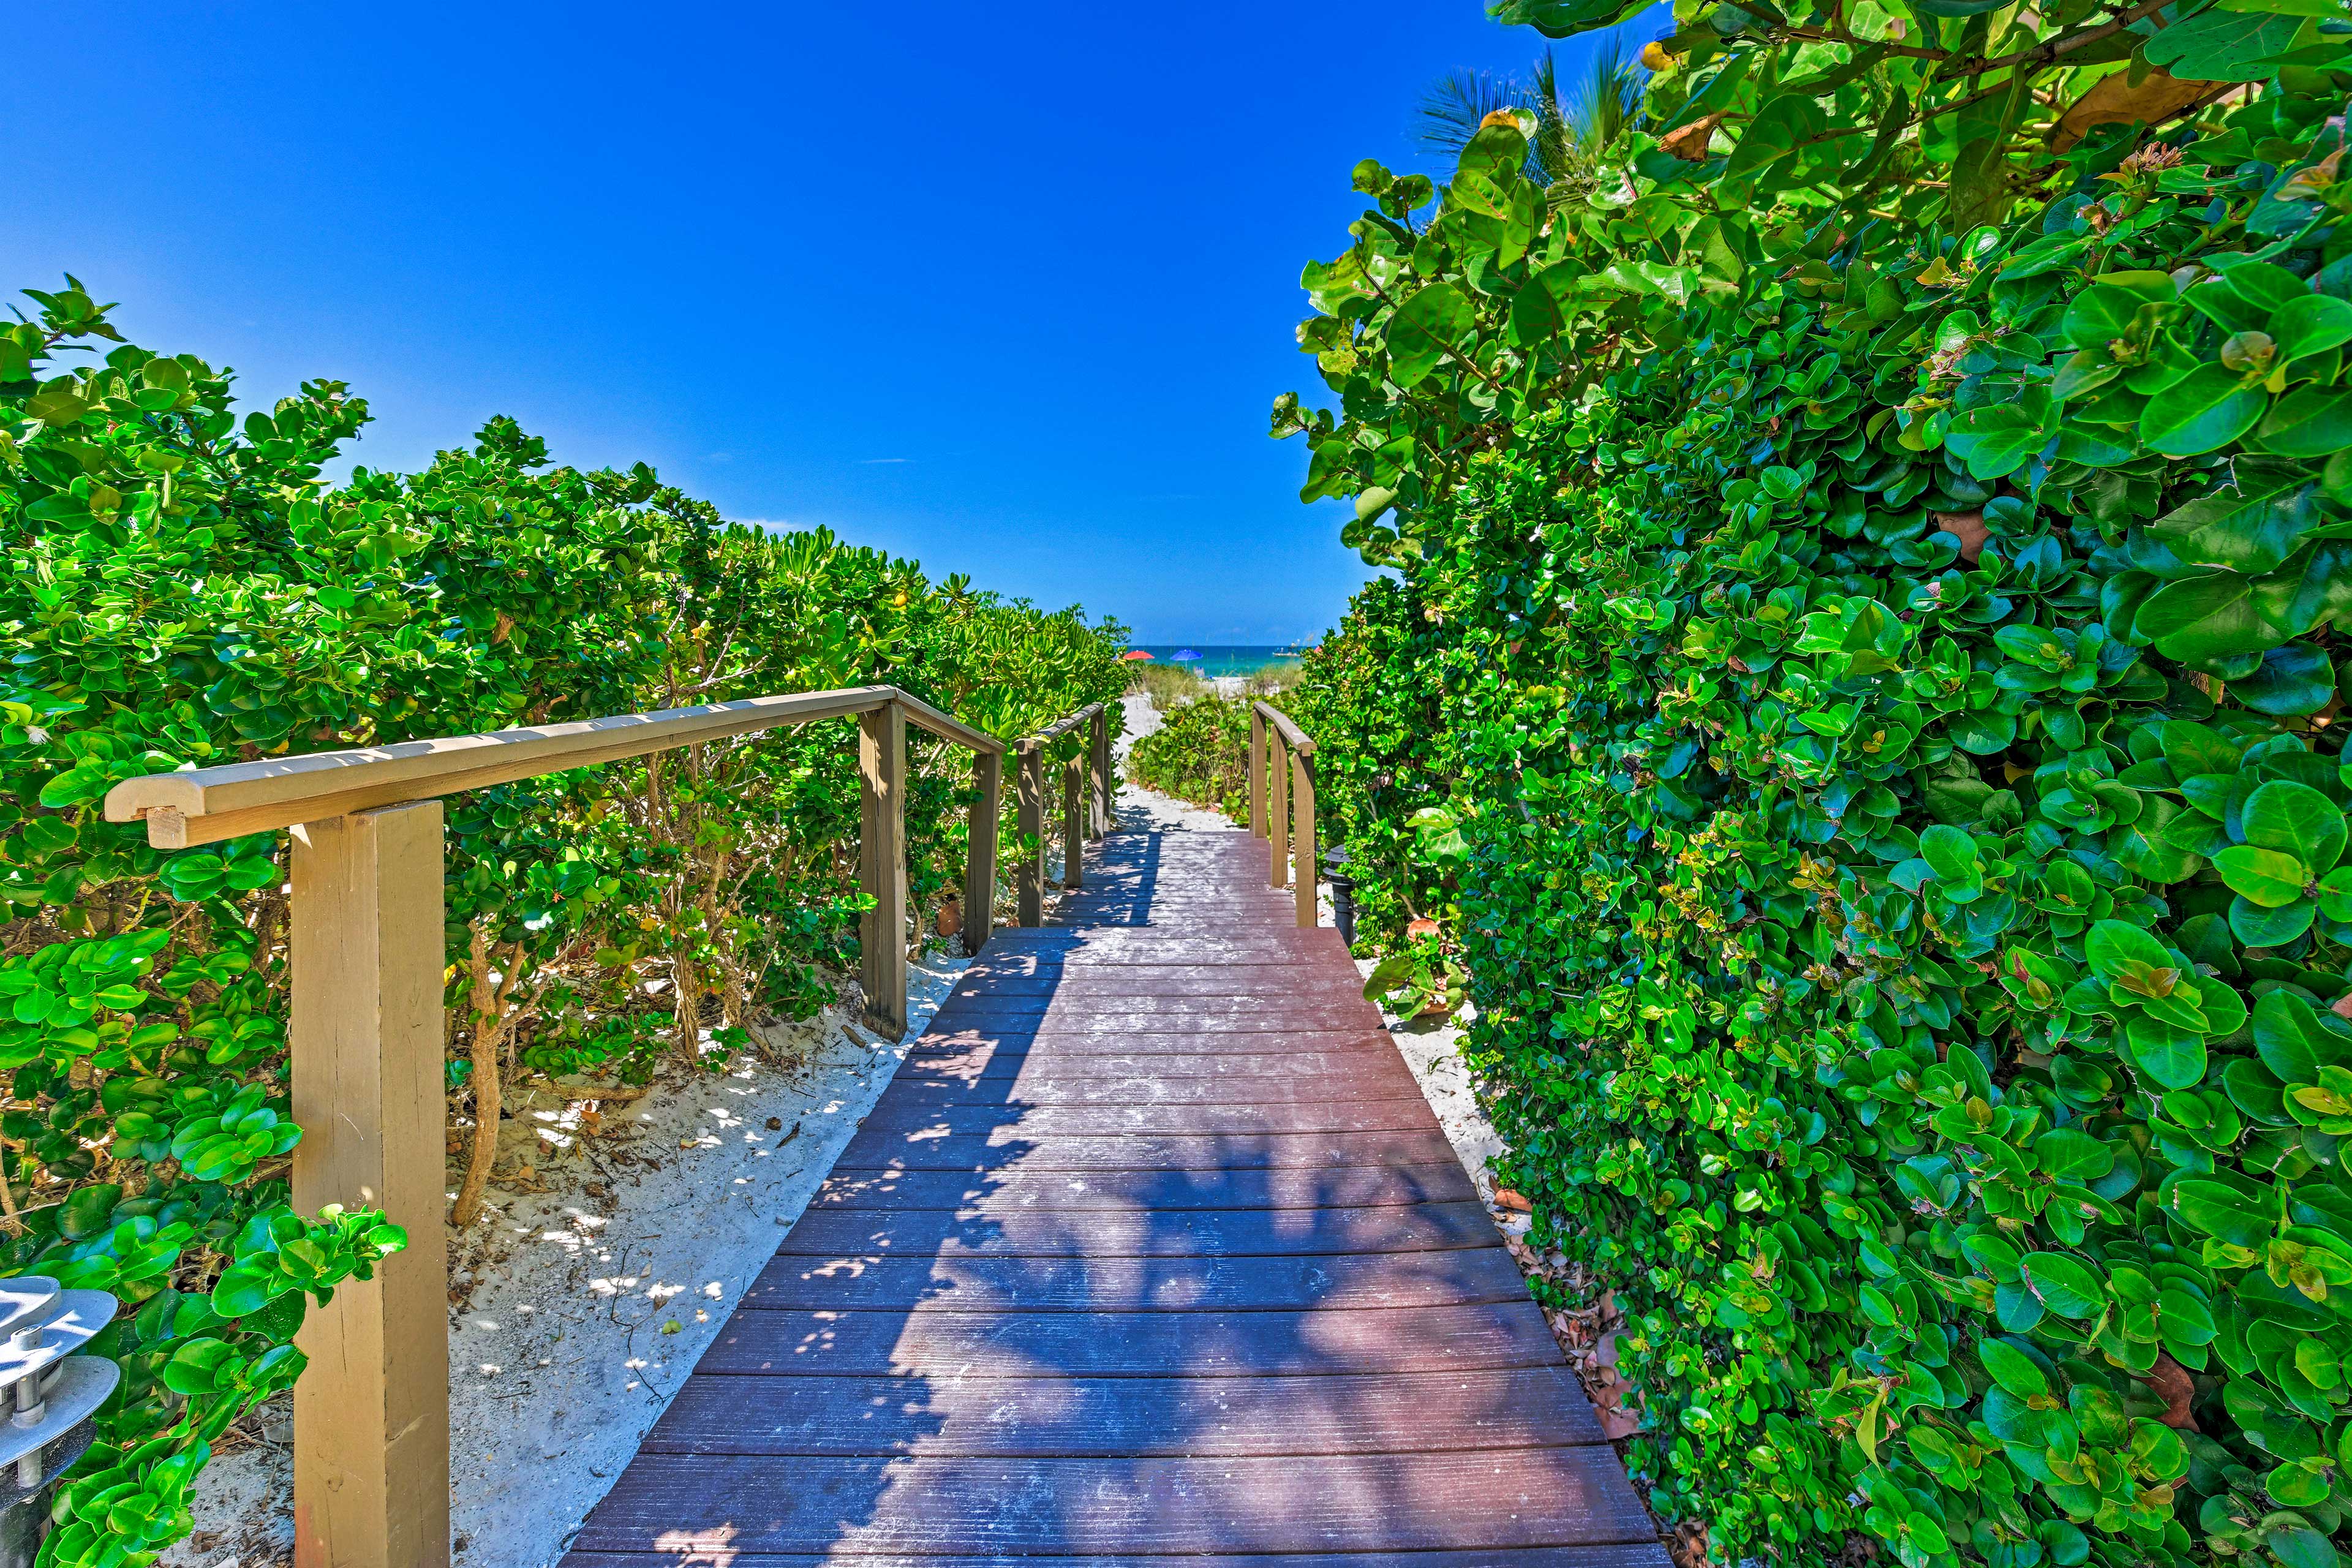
x=1873, y=562
x=1200, y=754
x=187, y=589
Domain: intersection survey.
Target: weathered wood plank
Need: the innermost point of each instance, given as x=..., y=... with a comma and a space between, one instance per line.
x=1464, y=1276
x=992, y=1064
x=1020, y=1189
x=686, y=1552
x=904, y=1114
x=1138, y=1232
x=1519, y=1497
x=1140, y=1343
x=1045, y=1083
x=1013, y=1042
x=880, y=1148
x=1538, y=1406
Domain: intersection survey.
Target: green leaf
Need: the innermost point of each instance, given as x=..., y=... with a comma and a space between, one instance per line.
x=2298, y=819
x=2293, y=680
x=2310, y=324
x=2070, y=1154
x=2250, y=523
x=1428, y=324
x=2112, y=946
x=2201, y=620
x=2221, y=45
x=2203, y=411
x=2064, y=1285
x=2308, y=421
x=2264, y=877
x=2012, y=1369
x=2291, y=1040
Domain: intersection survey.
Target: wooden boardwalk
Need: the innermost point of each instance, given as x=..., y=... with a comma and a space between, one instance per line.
x=1151, y=1251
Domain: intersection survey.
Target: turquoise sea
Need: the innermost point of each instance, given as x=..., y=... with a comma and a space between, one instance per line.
x=1221, y=658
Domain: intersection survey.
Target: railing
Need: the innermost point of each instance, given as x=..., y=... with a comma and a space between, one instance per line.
x=366, y=1036
x=1282, y=784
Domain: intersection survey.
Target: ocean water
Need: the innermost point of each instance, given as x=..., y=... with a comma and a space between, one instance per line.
x=1221, y=658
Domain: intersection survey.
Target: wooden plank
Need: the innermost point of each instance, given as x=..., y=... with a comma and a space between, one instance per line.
x=1042, y=1086
x=1018, y=1124
x=1517, y=1498
x=1292, y=1021
x=881, y=1148
x=1148, y=1344
x=1006, y=1286
x=1138, y=1232
x=991, y=1064
x=686, y=1551
x=372, y=1415
x=1118, y=1417
x=1018, y=1190
x=1238, y=1042
x=1164, y=980
x=1327, y=1010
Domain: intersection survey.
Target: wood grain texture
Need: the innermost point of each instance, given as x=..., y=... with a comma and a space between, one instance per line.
x=1165, y=1284
x=693, y=1549
x=1150, y=1253
x=1021, y=1190
x=1353, y=1502
x=1538, y=1406
x=1144, y=1342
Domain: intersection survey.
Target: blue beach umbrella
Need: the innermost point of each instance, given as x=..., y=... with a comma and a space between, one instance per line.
x=1183, y=654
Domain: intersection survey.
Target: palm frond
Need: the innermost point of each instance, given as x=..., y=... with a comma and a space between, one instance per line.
x=1452, y=109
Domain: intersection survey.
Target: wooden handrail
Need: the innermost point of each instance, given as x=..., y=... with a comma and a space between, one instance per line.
x=202, y=805
x=366, y=1036
x=1282, y=804
x=1292, y=736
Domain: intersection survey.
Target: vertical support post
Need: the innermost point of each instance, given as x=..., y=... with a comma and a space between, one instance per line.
x=1302, y=835
x=1073, y=823
x=1103, y=782
x=882, y=867
x=372, y=1414
x=1258, y=772
x=980, y=851
x=1030, y=791
x=1277, y=808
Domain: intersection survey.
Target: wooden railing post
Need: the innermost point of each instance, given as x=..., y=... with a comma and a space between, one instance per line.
x=882, y=867
x=980, y=851
x=1073, y=823
x=372, y=1414
x=1030, y=791
x=1103, y=782
x=1257, y=772
x=1302, y=835
x=1277, y=806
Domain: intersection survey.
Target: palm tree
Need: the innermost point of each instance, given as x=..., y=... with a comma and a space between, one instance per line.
x=1573, y=130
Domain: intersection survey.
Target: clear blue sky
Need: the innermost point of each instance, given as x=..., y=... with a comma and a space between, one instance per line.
x=1007, y=288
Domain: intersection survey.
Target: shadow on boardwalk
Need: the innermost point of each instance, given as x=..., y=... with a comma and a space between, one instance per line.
x=1152, y=1249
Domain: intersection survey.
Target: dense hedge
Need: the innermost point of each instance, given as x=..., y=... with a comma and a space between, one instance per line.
x=184, y=589
x=1871, y=562
x=1200, y=754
